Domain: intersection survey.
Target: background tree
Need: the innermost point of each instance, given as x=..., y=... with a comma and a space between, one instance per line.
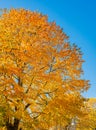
x=88, y=122
x=40, y=72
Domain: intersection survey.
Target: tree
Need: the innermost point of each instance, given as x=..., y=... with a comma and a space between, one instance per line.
x=88, y=122
x=40, y=72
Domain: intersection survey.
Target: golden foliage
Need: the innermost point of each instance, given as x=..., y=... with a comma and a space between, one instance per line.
x=39, y=70
x=88, y=122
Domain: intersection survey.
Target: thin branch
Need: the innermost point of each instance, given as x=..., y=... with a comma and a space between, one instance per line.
x=49, y=92
x=27, y=106
x=30, y=84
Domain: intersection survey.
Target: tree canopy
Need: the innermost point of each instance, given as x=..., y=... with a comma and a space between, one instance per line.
x=40, y=72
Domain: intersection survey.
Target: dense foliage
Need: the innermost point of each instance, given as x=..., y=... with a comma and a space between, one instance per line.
x=40, y=73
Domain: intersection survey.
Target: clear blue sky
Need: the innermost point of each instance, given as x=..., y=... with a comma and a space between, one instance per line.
x=78, y=19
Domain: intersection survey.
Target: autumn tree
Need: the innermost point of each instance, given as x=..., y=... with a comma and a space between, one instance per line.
x=88, y=122
x=40, y=72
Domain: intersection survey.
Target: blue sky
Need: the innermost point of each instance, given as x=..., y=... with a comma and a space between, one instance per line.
x=78, y=19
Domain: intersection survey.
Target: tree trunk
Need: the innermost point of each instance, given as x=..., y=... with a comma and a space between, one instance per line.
x=14, y=126
x=66, y=127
